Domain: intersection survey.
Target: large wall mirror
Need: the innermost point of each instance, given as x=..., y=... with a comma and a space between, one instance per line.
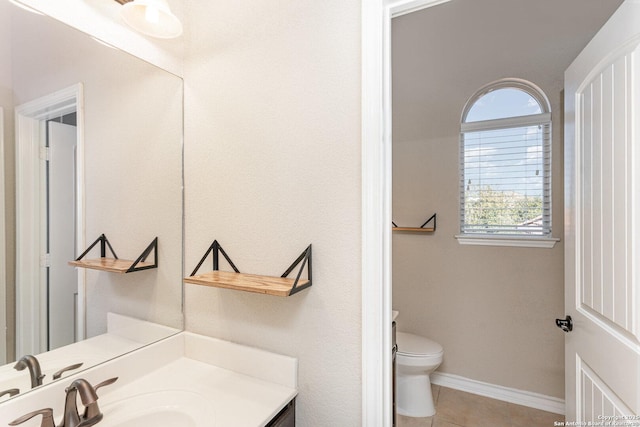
x=92, y=147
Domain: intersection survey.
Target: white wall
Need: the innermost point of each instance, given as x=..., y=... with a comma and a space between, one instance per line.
x=272, y=163
x=5, y=52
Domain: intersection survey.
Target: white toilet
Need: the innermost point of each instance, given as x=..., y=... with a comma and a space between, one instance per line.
x=416, y=359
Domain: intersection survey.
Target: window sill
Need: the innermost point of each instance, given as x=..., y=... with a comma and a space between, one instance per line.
x=514, y=241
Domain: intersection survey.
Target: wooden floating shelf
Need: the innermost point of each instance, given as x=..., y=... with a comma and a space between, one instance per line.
x=418, y=229
x=279, y=286
x=421, y=229
x=116, y=265
x=269, y=285
x=111, y=265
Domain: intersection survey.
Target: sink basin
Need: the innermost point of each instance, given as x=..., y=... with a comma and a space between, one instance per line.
x=166, y=408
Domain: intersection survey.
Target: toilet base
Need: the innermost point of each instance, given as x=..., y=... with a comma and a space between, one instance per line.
x=415, y=398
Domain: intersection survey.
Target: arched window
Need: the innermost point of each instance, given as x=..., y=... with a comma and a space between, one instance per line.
x=505, y=161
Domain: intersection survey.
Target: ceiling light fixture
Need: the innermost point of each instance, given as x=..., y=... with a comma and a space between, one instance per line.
x=151, y=17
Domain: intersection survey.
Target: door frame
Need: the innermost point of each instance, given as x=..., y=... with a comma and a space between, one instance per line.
x=377, y=381
x=3, y=251
x=31, y=302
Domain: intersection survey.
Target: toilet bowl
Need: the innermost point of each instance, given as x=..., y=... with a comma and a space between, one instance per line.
x=416, y=359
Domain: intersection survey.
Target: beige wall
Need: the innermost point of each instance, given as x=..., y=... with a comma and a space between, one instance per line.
x=272, y=163
x=491, y=308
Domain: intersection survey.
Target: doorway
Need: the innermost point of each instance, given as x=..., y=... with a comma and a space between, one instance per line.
x=376, y=140
x=60, y=230
x=50, y=221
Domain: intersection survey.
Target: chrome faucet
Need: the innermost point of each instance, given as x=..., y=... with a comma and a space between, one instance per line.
x=32, y=364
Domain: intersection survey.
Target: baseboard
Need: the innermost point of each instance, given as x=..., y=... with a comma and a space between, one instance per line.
x=511, y=395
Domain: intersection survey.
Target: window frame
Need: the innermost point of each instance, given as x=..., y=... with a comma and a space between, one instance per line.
x=544, y=118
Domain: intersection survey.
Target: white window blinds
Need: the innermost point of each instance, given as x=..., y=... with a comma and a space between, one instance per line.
x=505, y=174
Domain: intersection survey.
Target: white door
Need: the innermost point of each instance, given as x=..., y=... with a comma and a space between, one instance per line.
x=62, y=278
x=602, y=237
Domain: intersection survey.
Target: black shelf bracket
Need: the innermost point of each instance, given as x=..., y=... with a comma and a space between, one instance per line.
x=431, y=218
x=305, y=259
x=104, y=244
x=216, y=249
x=153, y=246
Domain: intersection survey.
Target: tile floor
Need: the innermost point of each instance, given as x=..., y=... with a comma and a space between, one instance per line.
x=456, y=408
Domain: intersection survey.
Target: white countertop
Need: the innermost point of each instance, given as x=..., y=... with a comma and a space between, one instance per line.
x=226, y=384
x=124, y=334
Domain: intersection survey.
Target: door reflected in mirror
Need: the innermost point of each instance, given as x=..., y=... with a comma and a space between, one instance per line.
x=91, y=144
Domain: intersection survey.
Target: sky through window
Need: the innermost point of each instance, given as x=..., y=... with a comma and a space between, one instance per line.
x=503, y=103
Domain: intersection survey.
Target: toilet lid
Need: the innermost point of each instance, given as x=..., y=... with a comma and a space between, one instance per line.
x=416, y=345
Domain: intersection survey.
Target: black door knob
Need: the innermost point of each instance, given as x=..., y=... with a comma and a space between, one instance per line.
x=565, y=324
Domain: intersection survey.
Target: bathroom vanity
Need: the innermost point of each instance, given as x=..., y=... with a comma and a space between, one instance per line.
x=186, y=380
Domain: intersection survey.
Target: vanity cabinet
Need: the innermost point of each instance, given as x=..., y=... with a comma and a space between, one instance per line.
x=286, y=417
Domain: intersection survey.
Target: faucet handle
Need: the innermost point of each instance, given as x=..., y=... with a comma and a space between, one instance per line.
x=47, y=418
x=10, y=392
x=92, y=412
x=58, y=374
x=106, y=382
